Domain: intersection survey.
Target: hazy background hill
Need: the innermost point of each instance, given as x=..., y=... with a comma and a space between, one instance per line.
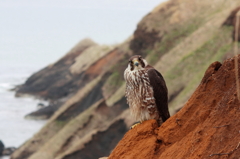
x=35, y=34
x=180, y=38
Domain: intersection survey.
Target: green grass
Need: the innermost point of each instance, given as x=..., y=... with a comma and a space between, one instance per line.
x=189, y=71
x=115, y=79
x=113, y=83
x=179, y=31
x=171, y=39
x=61, y=123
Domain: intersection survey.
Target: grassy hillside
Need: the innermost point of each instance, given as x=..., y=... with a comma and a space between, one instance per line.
x=180, y=38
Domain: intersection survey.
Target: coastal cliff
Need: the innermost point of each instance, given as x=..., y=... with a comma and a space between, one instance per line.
x=180, y=38
x=206, y=127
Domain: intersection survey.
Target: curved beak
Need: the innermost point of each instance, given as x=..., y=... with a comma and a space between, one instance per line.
x=136, y=63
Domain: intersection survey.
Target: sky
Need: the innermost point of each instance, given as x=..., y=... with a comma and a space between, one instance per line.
x=36, y=33
x=32, y=29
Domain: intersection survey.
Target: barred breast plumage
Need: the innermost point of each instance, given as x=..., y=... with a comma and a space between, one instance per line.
x=140, y=96
x=145, y=101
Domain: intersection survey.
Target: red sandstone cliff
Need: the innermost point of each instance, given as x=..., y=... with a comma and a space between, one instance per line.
x=180, y=38
x=208, y=125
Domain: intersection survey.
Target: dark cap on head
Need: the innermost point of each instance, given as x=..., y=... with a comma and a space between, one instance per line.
x=135, y=56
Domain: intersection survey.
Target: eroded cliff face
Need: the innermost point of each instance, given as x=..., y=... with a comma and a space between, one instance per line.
x=232, y=20
x=83, y=119
x=206, y=127
x=180, y=38
x=56, y=81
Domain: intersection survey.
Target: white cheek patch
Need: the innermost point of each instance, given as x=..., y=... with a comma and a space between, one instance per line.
x=145, y=62
x=129, y=66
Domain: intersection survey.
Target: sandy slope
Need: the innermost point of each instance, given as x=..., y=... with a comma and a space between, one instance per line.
x=206, y=127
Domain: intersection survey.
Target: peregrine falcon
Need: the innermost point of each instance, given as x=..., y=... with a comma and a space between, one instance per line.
x=146, y=91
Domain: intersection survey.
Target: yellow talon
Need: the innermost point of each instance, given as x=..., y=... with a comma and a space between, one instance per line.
x=136, y=125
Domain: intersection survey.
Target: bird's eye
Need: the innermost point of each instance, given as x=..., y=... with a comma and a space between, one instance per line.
x=139, y=57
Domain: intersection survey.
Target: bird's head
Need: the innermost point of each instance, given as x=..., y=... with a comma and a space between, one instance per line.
x=136, y=62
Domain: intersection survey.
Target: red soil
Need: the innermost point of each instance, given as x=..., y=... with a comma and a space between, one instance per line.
x=100, y=66
x=208, y=125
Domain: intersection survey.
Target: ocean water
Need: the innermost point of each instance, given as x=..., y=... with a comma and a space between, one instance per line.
x=36, y=33
x=14, y=129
